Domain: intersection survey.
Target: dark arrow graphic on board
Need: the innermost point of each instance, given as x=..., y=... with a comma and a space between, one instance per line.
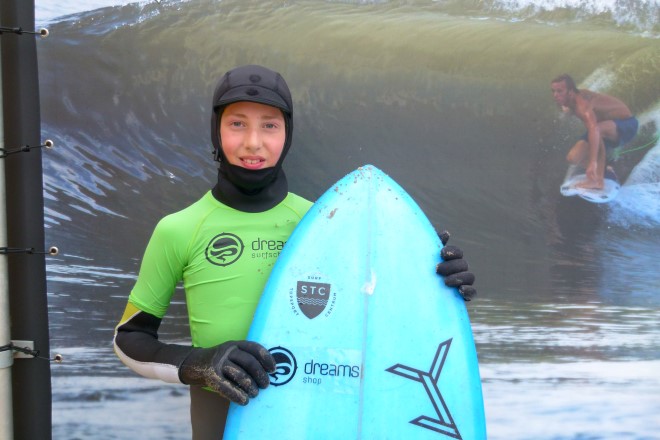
x=443, y=423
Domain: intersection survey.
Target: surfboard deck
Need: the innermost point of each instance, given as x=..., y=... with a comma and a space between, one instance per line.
x=605, y=195
x=369, y=342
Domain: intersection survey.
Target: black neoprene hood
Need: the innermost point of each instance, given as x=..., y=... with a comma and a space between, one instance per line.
x=252, y=83
x=238, y=187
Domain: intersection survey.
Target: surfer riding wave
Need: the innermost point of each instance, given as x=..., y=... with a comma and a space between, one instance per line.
x=609, y=123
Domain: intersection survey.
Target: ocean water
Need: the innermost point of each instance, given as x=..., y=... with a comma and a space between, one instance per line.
x=451, y=99
x=47, y=11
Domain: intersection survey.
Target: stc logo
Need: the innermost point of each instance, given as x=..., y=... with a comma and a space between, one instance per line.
x=224, y=249
x=313, y=298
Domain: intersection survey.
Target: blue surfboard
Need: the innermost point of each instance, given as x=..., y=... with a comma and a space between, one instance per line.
x=369, y=343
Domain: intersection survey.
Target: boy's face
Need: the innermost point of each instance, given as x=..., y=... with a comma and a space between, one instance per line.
x=252, y=134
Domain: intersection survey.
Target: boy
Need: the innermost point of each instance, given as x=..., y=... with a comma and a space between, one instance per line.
x=251, y=130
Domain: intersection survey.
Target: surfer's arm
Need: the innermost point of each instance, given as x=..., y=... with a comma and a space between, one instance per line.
x=136, y=336
x=137, y=346
x=454, y=269
x=234, y=369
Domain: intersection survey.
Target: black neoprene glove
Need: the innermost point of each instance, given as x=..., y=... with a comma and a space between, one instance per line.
x=455, y=269
x=235, y=369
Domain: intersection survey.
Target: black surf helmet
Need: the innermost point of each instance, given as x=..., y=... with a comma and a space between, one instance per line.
x=251, y=83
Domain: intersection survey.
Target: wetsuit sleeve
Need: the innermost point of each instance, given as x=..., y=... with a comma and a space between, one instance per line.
x=137, y=346
x=136, y=336
x=162, y=266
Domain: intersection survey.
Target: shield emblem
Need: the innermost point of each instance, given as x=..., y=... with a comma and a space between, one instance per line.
x=312, y=297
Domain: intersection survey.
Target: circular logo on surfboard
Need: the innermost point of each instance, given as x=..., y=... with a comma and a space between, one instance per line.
x=286, y=366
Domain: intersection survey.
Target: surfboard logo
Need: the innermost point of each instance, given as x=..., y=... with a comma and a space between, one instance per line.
x=224, y=249
x=444, y=423
x=313, y=297
x=285, y=366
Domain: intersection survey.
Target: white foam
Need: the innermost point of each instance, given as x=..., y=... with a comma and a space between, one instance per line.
x=48, y=10
x=642, y=13
x=638, y=203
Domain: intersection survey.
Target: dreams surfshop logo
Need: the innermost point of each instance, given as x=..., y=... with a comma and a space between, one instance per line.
x=285, y=366
x=224, y=249
x=315, y=372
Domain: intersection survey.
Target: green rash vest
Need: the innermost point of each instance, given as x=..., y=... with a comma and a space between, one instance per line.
x=223, y=256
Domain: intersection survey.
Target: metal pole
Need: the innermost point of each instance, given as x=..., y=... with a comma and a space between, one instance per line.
x=31, y=386
x=6, y=357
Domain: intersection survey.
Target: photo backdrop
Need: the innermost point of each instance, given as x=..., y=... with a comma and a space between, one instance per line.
x=452, y=99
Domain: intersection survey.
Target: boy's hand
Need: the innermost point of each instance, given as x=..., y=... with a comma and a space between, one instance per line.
x=235, y=369
x=455, y=269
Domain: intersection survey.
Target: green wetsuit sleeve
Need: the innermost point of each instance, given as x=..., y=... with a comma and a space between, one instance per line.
x=162, y=267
